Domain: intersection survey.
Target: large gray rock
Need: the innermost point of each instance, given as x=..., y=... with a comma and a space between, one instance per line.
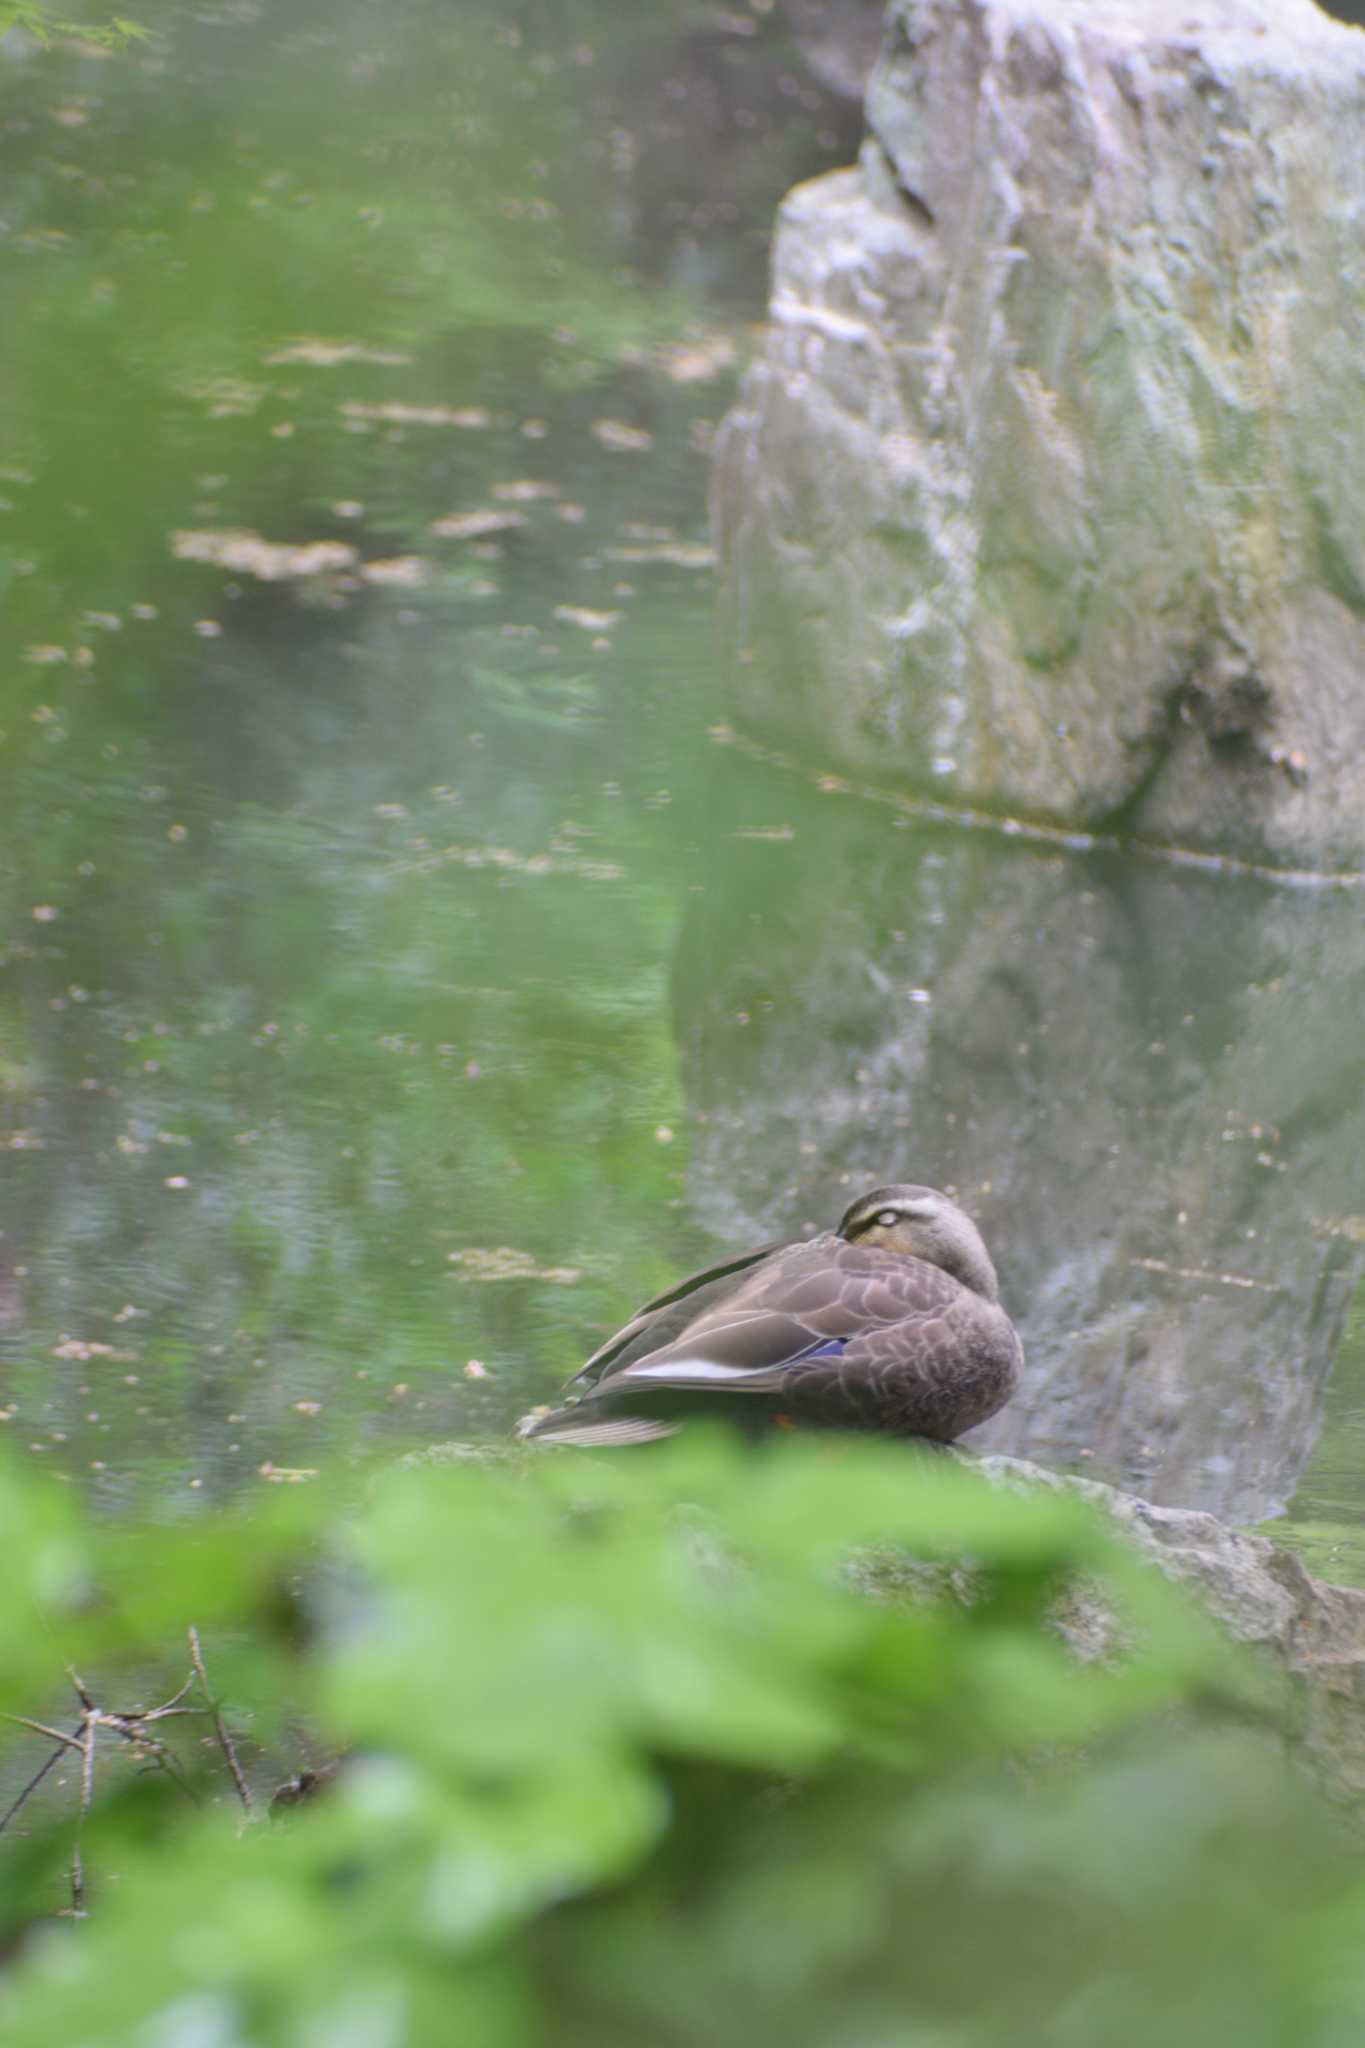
x=1047, y=490
x=1309, y=1631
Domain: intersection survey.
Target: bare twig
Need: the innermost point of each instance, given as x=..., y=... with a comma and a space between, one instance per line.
x=147, y=1746
x=220, y=1727
x=135, y=1728
x=83, y=1692
x=132, y=1726
x=170, y=1706
x=88, y=1734
x=89, y=1731
x=34, y=1782
x=56, y=1735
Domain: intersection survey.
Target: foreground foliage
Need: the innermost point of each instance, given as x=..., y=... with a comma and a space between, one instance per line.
x=657, y=1749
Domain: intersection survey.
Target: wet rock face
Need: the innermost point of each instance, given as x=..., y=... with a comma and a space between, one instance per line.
x=1310, y=1631
x=1047, y=490
x=1147, y=1087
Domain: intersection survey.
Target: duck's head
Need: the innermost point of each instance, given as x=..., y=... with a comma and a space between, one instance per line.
x=921, y=1223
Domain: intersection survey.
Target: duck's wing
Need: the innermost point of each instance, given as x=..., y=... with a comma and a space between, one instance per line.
x=656, y=1322
x=648, y=1335
x=802, y=1301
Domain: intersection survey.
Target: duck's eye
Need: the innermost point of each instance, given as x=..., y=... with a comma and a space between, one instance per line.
x=887, y=1217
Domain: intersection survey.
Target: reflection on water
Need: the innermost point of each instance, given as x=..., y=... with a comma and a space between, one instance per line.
x=1147, y=1084
x=359, y=813
x=353, y=544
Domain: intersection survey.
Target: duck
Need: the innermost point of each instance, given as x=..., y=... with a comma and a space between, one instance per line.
x=891, y=1322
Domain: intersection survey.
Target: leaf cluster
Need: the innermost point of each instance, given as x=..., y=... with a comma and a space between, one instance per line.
x=691, y=1744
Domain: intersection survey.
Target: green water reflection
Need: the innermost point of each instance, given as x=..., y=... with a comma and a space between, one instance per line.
x=359, y=377
x=353, y=554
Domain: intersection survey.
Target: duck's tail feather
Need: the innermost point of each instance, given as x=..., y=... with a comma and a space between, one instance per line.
x=563, y=1427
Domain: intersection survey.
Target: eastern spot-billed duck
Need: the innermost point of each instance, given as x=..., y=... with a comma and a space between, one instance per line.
x=892, y=1322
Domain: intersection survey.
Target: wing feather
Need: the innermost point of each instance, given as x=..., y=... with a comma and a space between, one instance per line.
x=746, y=1352
x=655, y=1322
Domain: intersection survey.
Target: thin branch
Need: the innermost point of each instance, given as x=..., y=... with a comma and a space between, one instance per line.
x=87, y=1747
x=134, y=1728
x=32, y=1786
x=83, y=1692
x=170, y=1706
x=129, y=1726
x=90, y=1731
x=176, y=1771
x=56, y=1735
x=220, y=1727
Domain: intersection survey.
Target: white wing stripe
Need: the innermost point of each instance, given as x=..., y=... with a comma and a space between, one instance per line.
x=692, y=1369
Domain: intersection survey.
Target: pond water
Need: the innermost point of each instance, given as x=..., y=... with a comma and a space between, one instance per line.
x=403, y=970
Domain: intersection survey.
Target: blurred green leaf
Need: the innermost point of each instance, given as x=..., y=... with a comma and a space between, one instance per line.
x=693, y=1743
x=49, y=1581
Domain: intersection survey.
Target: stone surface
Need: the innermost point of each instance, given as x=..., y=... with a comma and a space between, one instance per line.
x=1307, y=1629
x=1047, y=490
x=838, y=41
